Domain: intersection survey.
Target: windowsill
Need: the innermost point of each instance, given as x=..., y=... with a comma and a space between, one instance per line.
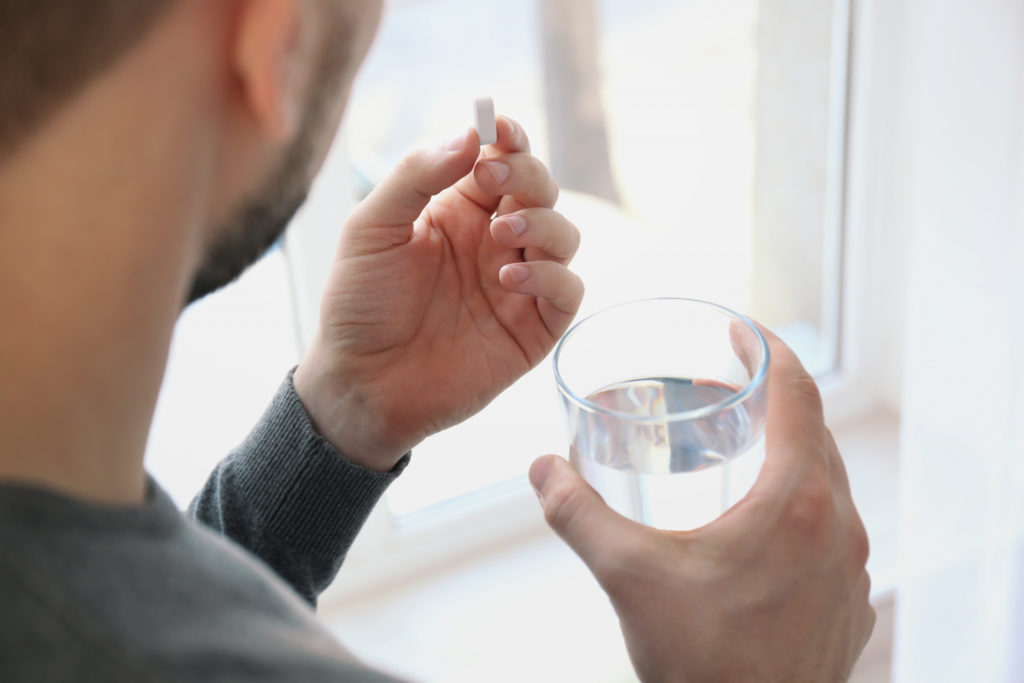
x=529, y=610
x=870, y=448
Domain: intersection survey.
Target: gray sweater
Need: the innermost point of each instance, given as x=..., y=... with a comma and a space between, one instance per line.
x=93, y=593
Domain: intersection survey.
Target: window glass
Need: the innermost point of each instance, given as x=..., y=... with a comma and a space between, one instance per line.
x=698, y=144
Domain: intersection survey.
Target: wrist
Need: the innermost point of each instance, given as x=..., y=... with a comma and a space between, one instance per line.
x=342, y=415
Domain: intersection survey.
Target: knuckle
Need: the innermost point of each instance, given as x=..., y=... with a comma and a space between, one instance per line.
x=809, y=514
x=869, y=625
x=859, y=543
x=804, y=385
x=575, y=237
x=413, y=161
x=581, y=289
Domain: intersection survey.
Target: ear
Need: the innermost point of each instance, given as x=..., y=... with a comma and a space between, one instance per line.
x=266, y=55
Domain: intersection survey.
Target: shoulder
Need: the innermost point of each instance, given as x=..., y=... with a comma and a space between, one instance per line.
x=198, y=608
x=44, y=637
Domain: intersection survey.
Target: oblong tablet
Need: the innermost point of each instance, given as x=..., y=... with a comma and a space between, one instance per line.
x=486, y=125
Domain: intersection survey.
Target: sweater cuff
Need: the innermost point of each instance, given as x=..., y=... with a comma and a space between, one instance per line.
x=314, y=497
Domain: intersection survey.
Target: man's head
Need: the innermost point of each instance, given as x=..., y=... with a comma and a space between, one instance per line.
x=148, y=149
x=288, y=66
x=260, y=218
x=49, y=50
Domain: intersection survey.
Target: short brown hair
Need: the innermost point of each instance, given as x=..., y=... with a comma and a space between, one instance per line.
x=49, y=49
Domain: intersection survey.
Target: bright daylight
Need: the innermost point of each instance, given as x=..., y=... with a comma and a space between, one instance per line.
x=701, y=367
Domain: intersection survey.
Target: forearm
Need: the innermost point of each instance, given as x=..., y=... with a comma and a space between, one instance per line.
x=291, y=498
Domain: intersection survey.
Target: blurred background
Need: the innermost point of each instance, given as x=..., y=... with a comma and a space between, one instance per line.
x=827, y=166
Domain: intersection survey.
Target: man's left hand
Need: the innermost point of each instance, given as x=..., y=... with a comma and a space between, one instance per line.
x=450, y=282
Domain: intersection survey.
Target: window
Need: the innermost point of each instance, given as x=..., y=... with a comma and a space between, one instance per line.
x=699, y=145
x=700, y=148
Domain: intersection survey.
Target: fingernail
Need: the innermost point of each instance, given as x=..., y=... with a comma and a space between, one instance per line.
x=456, y=144
x=512, y=129
x=516, y=223
x=518, y=271
x=499, y=170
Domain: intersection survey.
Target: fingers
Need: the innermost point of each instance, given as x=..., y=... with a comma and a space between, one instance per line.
x=795, y=427
x=559, y=291
x=576, y=512
x=507, y=175
x=511, y=136
x=867, y=615
x=548, y=241
x=385, y=218
x=520, y=176
x=745, y=344
x=796, y=449
x=860, y=543
x=836, y=466
x=541, y=233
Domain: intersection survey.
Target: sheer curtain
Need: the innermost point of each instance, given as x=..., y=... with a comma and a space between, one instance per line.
x=960, y=608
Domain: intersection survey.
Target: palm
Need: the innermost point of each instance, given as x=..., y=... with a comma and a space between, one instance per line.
x=426, y=327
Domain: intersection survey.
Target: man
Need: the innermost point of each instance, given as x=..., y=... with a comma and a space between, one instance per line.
x=149, y=151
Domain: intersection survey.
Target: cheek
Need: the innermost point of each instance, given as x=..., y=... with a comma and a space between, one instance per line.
x=373, y=11
x=326, y=131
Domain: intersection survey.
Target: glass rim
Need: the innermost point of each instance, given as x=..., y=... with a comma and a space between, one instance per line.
x=756, y=381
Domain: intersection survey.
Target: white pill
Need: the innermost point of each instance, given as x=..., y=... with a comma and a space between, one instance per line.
x=486, y=125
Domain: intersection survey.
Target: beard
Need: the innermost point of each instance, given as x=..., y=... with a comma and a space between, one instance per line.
x=260, y=220
x=253, y=229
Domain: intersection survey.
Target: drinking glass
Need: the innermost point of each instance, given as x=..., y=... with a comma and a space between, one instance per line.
x=665, y=406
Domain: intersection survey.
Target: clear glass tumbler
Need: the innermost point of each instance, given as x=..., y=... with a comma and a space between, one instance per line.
x=665, y=405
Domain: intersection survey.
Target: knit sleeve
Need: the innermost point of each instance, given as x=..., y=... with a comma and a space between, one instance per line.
x=291, y=498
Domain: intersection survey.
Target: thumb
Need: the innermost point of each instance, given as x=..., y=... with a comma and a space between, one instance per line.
x=385, y=218
x=578, y=514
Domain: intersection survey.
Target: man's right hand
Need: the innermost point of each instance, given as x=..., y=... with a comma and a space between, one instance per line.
x=774, y=590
